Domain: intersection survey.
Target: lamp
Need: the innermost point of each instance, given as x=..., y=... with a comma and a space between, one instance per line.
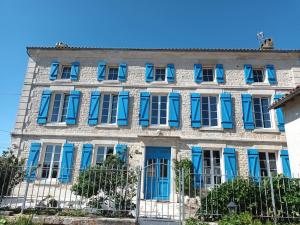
x=232, y=207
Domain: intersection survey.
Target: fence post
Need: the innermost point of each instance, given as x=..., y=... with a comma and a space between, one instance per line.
x=26, y=190
x=138, y=195
x=273, y=199
x=182, y=194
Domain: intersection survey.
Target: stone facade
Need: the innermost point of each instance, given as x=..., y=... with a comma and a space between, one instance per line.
x=181, y=140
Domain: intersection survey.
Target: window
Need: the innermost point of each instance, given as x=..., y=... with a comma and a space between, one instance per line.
x=267, y=161
x=113, y=73
x=261, y=112
x=159, y=110
x=209, y=113
x=208, y=74
x=109, y=109
x=103, y=153
x=211, y=167
x=66, y=72
x=160, y=74
x=51, y=162
x=59, y=107
x=258, y=75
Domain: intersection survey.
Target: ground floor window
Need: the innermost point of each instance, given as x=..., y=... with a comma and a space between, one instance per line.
x=267, y=162
x=211, y=167
x=102, y=153
x=51, y=161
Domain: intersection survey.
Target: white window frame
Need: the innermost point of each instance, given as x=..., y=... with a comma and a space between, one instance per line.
x=42, y=159
x=211, y=150
x=61, y=68
x=268, y=162
x=105, y=152
x=218, y=110
x=271, y=114
x=214, y=73
x=154, y=73
x=61, y=104
x=107, y=72
x=110, y=108
x=167, y=110
x=263, y=69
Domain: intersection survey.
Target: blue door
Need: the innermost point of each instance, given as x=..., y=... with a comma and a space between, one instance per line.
x=157, y=173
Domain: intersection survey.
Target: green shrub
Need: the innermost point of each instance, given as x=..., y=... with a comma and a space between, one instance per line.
x=239, y=219
x=3, y=221
x=184, y=166
x=73, y=213
x=194, y=221
x=23, y=220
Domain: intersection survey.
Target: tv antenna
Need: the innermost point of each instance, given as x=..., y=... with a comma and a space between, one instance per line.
x=260, y=37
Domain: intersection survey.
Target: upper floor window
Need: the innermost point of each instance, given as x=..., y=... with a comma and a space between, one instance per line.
x=261, y=112
x=65, y=72
x=51, y=161
x=208, y=74
x=209, y=111
x=102, y=153
x=211, y=167
x=59, y=107
x=113, y=73
x=109, y=108
x=160, y=74
x=159, y=109
x=267, y=161
x=258, y=75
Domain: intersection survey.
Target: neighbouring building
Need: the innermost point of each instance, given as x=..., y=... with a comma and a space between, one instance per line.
x=290, y=104
x=79, y=105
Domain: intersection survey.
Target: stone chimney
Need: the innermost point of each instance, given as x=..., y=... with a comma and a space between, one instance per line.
x=267, y=44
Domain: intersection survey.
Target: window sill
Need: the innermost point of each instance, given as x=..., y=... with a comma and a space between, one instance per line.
x=211, y=129
x=108, y=126
x=62, y=81
x=56, y=125
x=162, y=127
x=266, y=130
x=260, y=84
x=159, y=83
x=209, y=83
x=110, y=82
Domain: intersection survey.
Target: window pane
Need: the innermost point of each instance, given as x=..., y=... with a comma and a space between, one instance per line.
x=263, y=164
x=66, y=71
x=151, y=168
x=265, y=111
x=56, y=161
x=160, y=74
x=113, y=73
x=65, y=108
x=55, y=109
x=208, y=74
x=105, y=108
x=100, y=155
x=258, y=75
x=114, y=107
x=109, y=152
x=163, y=167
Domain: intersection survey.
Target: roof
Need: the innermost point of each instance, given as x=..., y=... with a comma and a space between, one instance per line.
x=172, y=49
x=287, y=97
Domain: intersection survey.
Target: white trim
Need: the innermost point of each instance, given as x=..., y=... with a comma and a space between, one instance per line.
x=209, y=117
x=111, y=94
x=271, y=114
x=214, y=69
x=267, y=160
x=112, y=66
x=62, y=88
x=208, y=91
x=57, y=123
x=159, y=90
x=105, y=152
x=261, y=92
x=154, y=74
x=158, y=109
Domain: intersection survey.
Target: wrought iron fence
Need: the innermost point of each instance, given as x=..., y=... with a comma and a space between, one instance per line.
x=122, y=191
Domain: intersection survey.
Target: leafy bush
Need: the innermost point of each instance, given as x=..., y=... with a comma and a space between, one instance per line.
x=184, y=166
x=194, y=221
x=11, y=172
x=109, y=187
x=239, y=219
x=254, y=197
x=23, y=220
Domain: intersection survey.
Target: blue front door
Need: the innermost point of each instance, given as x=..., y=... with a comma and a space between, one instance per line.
x=157, y=173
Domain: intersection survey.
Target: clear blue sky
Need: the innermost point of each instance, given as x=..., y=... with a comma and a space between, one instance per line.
x=132, y=23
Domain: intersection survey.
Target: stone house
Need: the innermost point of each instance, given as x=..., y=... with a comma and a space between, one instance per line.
x=151, y=106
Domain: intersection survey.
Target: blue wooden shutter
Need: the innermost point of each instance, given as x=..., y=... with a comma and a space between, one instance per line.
x=122, y=72
x=144, y=109
x=226, y=107
x=195, y=110
x=174, y=109
x=286, y=169
x=74, y=70
x=197, y=165
x=253, y=162
x=121, y=151
x=32, y=161
x=54, y=70
x=248, y=73
x=101, y=71
x=94, y=108
x=279, y=113
x=220, y=73
x=247, y=111
x=230, y=163
x=198, y=73
x=123, y=103
x=66, y=169
x=271, y=74
x=44, y=107
x=73, y=107
x=86, y=156
x=149, y=72
x=170, y=73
